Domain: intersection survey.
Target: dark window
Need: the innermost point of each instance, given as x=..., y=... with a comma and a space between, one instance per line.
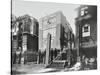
x=86, y=29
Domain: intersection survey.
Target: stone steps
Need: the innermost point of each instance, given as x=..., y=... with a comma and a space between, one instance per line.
x=57, y=64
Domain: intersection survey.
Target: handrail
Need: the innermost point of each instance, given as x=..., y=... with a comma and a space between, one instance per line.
x=59, y=55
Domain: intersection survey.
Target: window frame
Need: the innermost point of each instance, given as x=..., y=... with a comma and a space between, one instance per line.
x=84, y=11
x=87, y=32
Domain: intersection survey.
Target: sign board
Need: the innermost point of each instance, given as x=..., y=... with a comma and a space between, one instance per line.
x=86, y=34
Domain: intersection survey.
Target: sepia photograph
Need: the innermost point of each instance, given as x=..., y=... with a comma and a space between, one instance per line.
x=51, y=37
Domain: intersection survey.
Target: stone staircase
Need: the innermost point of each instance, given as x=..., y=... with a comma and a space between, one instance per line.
x=58, y=62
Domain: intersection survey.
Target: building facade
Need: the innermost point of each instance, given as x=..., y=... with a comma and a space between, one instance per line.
x=86, y=31
x=25, y=34
x=61, y=33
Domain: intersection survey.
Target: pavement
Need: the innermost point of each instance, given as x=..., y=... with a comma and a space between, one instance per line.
x=34, y=69
x=26, y=69
x=40, y=68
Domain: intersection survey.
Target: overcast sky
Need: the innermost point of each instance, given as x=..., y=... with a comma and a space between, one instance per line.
x=41, y=9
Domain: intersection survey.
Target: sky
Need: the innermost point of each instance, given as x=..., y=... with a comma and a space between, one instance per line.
x=41, y=9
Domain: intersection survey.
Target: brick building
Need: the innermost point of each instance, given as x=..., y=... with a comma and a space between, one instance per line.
x=86, y=31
